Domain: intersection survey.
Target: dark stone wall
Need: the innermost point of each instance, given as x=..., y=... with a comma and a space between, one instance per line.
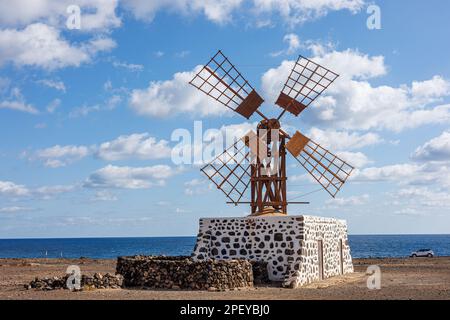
x=184, y=273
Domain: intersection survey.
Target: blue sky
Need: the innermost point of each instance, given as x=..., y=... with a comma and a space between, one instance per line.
x=87, y=115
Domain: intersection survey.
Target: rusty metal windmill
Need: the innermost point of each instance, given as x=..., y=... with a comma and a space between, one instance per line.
x=258, y=160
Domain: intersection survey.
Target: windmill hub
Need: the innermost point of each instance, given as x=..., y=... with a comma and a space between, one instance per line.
x=269, y=124
x=258, y=160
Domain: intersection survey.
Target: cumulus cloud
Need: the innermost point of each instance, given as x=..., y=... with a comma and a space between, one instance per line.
x=16, y=101
x=295, y=12
x=343, y=140
x=293, y=42
x=85, y=110
x=219, y=11
x=347, y=202
x=167, y=98
x=139, y=146
x=437, y=149
x=55, y=84
x=8, y=188
x=41, y=45
x=129, y=177
x=15, y=209
x=355, y=104
x=196, y=187
x=128, y=66
x=355, y=159
x=60, y=156
x=424, y=196
x=97, y=15
x=104, y=195
x=406, y=174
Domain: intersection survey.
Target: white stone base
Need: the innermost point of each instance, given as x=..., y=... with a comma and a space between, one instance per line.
x=289, y=244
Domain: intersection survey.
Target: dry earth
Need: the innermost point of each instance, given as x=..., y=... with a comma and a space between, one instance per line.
x=420, y=278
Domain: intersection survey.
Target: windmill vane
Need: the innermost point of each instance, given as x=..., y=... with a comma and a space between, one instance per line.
x=250, y=162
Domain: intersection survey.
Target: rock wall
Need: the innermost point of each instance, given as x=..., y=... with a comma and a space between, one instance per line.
x=184, y=273
x=97, y=281
x=289, y=244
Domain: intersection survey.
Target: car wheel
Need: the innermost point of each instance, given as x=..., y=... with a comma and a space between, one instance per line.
x=429, y=255
x=414, y=255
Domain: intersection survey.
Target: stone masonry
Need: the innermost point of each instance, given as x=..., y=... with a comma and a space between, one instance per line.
x=298, y=249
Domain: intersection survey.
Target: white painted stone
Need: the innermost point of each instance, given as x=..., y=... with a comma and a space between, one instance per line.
x=290, y=245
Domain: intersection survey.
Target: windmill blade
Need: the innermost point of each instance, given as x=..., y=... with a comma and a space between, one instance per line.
x=306, y=82
x=231, y=171
x=220, y=80
x=326, y=168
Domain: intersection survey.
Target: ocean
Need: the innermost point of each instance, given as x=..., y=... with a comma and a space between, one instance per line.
x=362, y=246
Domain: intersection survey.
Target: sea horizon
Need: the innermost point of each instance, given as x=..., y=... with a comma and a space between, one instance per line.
x=361, y=246
x=189, y=236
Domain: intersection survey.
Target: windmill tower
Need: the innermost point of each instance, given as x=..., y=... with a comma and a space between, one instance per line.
x=258, y=160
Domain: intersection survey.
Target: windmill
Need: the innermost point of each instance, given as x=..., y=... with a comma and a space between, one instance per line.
x=258, y=160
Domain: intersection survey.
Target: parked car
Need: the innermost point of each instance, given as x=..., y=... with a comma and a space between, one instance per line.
x=423, y=253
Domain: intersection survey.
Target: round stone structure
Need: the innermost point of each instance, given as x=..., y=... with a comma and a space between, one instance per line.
x=184, y=273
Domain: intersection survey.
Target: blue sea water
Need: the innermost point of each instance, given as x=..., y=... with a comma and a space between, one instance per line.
x=362, y=246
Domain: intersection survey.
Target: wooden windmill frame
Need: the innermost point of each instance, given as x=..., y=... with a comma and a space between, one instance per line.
x=249, y=162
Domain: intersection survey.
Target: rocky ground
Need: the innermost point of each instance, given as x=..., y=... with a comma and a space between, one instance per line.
x=419, y=278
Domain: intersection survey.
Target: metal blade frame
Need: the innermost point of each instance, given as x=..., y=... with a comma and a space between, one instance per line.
x=330, y=171
x=230, y=174
x=306, y=82
x=220, y=80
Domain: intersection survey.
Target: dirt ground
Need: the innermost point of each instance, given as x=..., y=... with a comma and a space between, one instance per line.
x=420, y=278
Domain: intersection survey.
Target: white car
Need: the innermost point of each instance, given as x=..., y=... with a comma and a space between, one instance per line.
x=423, y=253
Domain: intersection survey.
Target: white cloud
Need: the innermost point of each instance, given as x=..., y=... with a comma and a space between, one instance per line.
x=182, y=54
x=437, y=149
x=49, y=192
x=435, y=88
x=349, y=201
x=406, y=174
x=424, y=197
x=196, y=187
x=352, y=103
x=343, y=140
x=18, y=106
x=295, y=12
x=41, y=45
x=261, y=12
x=85, y=110
x=135, y=146
x=171, y=97
x=51, y=108
x=60, y=156
x=129, y=177
x=55, y=84
x=129, y=66
x=219, y=11
x=9, y=188
x=15, y=209
x=355, y=159
x=104, y=195
x=96, y=15
x=293, y=43
x=140, y=146
x=17, y=102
